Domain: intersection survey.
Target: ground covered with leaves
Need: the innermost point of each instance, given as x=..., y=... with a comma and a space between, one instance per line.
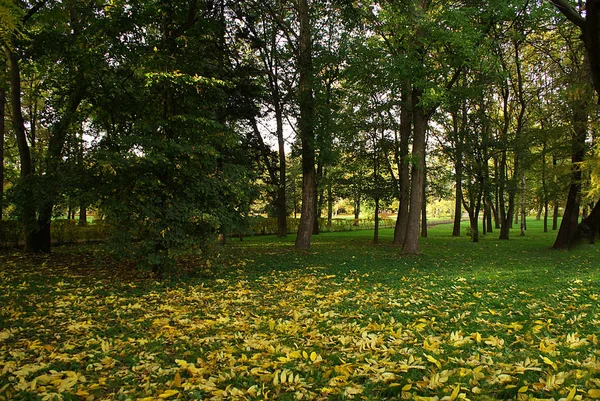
x=347, y=320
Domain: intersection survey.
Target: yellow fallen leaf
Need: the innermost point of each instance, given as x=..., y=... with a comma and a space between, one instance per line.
x=523, y=389
x=550, y=362
x=407, y=387
x=433, y=360
x=177, y=380
x=168, y=393
x=594, y=393
x=313, y=356
x=572, y=393
x=455, y=393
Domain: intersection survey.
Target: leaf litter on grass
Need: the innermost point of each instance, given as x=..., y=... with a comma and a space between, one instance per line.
x=299, y=334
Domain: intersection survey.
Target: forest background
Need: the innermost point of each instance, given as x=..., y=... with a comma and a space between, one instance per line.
x=169, y=122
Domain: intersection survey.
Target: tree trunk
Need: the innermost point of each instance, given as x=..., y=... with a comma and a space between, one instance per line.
x=555, y=217
x=403, y=166
x=318, y=200
x=281, y=187
x=82, y=214
x=376, y=228
x=329, y=203
x=458, y=168
x=589, y=227
x=306, y=128
x=28, y=205
x=568, y=226
x=411, y=242
x=424, y=207
x=2, y=135
x=523, y=221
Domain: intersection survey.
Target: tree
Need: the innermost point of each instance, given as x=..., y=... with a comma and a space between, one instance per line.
x=590, y=36
x=306, y=126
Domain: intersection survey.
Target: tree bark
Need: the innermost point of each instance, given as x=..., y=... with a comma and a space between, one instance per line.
x=420, y=118
x=568, y=226
x=28, y=206
x=403, y=167
x=306, y=128
x=281, y=189
x=2, y=135
x=458, y=168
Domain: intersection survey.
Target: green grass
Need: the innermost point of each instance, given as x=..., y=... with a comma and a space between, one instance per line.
x=345, y=320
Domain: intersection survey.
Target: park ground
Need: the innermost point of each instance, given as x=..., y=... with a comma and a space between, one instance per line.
x=345, y=320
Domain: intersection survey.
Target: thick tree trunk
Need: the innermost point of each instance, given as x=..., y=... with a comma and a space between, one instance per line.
x=403, y=166
x=589, y=227
x=306, y=128
x=82, y=214
x=28, y=205
x=568, y=226
x=420, y=117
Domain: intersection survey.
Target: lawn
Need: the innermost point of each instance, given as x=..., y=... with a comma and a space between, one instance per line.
x=345, y=320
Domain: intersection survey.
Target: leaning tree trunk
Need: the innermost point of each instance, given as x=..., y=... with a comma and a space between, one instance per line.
x=306, y=129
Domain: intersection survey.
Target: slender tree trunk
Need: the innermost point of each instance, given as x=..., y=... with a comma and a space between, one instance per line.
x=306, y=128
x=329, y=203
x=402, y=162
x=424, y=208
x=489, y=228
x=281, y=187
x=458, y=168
x=2, y=136
x=376, y=228
x=411, y=242
x=555, y=212
x=523, y=221
x=318, y=200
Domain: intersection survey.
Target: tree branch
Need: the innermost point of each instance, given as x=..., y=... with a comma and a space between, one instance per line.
x=570, y=12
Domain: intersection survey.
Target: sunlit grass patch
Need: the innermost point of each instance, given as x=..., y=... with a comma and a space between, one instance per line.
x=345, y=320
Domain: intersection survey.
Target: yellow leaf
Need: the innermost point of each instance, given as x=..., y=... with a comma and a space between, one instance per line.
x=168, y=393
x=523, y=389
x=572, y=393
x=283, y=377
x=455, y=392
x=177, y=380
x=594, y=393
x=548, y=361
x=305, y=354
x=433, y=360
x=407, y=387
x=276, y=378
x=313, y=356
